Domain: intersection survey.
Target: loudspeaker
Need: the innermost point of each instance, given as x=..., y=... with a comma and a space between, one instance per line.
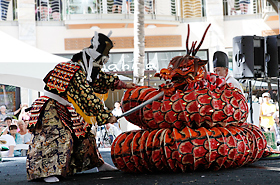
x=248, y=57
x=273, y=51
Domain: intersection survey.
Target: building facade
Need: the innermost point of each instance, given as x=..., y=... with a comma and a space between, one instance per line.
x=64, y=27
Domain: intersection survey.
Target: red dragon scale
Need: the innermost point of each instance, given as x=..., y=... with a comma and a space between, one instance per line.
x=198, y=124
x=189, y=149
x=192, y=108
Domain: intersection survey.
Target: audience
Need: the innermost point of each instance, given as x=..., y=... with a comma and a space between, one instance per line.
x=117, y=112
x=267, y=110
x=4, y=113
x=23, y=114
x=13, y=135
x=7, y=122
x=7, y=140
x=4, y=9
x=23, y=132
x=17, y=138
x=117, y=6
x=107, y=135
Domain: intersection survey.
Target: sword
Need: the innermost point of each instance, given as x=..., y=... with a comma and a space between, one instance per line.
x=141, y=105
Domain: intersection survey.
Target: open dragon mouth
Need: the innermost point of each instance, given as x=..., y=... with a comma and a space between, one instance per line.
x=177, y=76
x=176, y=80
x=184, y=70
x=181, y=79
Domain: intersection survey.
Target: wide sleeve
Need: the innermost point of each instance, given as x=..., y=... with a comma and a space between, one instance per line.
x=83, y=95
x=235, y=83
x=105, y=82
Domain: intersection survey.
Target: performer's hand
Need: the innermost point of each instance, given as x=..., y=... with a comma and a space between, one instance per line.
x=112, y=119
x=130, y=86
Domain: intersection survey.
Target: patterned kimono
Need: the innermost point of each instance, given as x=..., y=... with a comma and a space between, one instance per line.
x=61, y=142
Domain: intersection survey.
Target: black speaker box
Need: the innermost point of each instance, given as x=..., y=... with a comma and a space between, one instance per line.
x=273, y=51
x=248, y=57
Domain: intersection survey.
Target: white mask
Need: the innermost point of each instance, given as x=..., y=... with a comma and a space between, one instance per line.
x=93, y=55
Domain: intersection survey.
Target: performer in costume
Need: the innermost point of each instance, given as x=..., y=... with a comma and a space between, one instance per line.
x=220, y=62
x=61, y=142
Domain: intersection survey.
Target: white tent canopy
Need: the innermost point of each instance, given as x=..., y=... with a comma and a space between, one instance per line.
x=23, y=65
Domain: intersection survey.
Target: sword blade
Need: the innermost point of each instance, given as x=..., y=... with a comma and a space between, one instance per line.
x=142, y=105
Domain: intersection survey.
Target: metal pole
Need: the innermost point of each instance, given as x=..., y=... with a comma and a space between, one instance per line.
x=278, y=6
x=156, y=97
x=250, y=100
x=278, y=97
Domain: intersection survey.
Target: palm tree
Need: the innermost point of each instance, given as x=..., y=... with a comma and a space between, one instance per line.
x=139, y=43
x=275, y=4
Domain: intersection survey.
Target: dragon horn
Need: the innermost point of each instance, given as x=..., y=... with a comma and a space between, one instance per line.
x=193, y=50
x=202, y=39
x=187, y=41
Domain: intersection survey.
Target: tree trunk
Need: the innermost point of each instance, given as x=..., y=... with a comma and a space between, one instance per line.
x=139, y=43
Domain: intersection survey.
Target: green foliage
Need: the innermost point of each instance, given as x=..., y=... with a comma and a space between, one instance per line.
x=8, y=88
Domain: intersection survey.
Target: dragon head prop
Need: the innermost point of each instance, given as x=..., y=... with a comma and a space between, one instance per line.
x=183, y=70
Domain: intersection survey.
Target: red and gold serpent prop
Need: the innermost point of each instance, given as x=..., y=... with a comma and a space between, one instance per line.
x=199, y=123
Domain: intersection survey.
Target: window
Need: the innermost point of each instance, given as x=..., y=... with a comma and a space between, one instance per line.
x=9, y=96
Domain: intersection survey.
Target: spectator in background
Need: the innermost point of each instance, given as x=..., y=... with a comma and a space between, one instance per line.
x=150, y=6
x=231, y=5
x=117, y=5
x=23, y=114
x=128, y=6
x=7, y=140
x=220, y=63
x=14, y=122
x=276, y=126
x=56, y=6
x=108, y=134
x=4, y=113
x=17, y=138
x=8, y=121
x=117, y=111
x=23, y=132
x=4, y=9
x=42, y=11
x=244, y=6
x=3, y=109
x=274, y=97
x=267, y=110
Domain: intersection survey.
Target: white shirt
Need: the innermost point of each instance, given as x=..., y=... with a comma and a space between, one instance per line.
x=117, y=112
x=113, y=131
x=234, y=82
x=25, y=137
x=10, y=141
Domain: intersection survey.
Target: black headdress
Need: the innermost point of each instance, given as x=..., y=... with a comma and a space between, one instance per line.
x=220, y=59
